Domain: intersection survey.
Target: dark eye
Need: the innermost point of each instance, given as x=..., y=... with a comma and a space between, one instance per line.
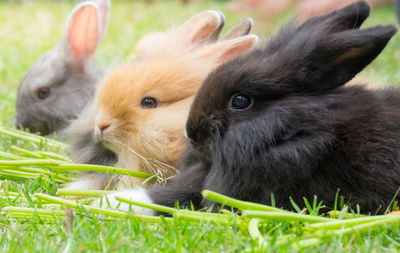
x=240, y=102
x=43, y=93
x=149, y=103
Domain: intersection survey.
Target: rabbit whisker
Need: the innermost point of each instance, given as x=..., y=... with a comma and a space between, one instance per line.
x=155, y=167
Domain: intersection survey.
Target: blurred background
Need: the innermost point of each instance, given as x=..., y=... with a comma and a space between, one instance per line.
x=29, y=28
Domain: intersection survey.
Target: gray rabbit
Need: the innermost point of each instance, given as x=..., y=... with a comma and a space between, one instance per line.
x=59, y=85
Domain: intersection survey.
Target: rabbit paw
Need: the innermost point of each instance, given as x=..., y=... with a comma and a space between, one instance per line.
x=81, y=184
x=138, y=194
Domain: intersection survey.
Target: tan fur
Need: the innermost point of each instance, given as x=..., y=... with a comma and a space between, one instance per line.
x=196, y=32
x=156, y=134
x=152, y=140
x=170, y=67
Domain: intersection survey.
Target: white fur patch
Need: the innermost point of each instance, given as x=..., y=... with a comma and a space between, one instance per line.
x=81, y=184
x=137, y=194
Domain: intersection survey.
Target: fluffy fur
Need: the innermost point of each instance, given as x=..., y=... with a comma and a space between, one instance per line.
x=84, y=147
x=304, y=133
x=138, y=194
x=151, y=139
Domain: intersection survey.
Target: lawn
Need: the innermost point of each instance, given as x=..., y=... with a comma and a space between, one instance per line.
x=29, y=28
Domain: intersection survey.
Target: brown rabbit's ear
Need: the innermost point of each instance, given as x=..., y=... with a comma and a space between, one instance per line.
x=225, y=51
x=148, y=42
x=83, y=31
x=202, y=28
x=241, y=29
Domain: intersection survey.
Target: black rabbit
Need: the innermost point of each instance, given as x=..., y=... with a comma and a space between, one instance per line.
x=279, y=120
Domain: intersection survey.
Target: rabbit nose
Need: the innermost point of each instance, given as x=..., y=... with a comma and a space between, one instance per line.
x=103, y=127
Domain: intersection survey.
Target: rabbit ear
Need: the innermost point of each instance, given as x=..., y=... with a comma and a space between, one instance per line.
x=148, y=42
x=350, y=17
x=202, y=28
x=104, y=7
x=83, y=32
x=241, y=29
x=337, y=58
x=225, y=51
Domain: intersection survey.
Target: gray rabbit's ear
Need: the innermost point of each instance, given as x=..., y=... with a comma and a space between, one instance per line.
x=83, y=32
x=104, y=7
x=241, y=29
x=202, y=28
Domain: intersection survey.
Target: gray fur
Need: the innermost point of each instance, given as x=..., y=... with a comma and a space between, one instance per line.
x=72, y=83
x=84, y=147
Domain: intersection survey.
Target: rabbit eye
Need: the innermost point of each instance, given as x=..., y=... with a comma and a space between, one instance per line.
x=43, y=93
x=241, y=102
x=149, y=103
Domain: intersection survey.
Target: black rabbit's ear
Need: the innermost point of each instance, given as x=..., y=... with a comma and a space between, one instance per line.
x=350, y=17
x=339, y=57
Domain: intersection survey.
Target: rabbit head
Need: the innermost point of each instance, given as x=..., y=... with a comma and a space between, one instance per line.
x=322, y=54
x=79, y=134
x=63, y=80
x=142, y=106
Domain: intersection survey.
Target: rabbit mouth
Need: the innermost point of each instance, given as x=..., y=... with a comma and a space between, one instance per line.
x=109, y=144
x=35, y=126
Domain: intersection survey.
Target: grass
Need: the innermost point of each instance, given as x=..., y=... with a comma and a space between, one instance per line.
x=27, y=29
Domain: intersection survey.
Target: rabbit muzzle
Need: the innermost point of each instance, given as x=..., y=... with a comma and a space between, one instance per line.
x=199, y=132
x=34, y=125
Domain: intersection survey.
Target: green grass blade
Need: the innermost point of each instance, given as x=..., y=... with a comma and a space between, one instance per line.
x=279, y=216
x=11, y=156
x=39, y=162
x=26, y=153
x=105, y=169
x=94, y=193
x=242, y=205
x=155, y=207
x=53, y=156
x=255, y=233
x=31, y=137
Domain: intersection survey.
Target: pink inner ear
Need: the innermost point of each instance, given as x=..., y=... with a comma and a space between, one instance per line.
x=83, y=33
x=236, y=50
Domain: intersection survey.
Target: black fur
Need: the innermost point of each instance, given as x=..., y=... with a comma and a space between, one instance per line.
x=305, y=134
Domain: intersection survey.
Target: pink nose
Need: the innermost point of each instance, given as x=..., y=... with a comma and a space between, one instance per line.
x=103, y=127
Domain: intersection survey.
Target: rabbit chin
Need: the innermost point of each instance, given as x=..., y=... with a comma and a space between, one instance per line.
x=137, y=194
x=106, y=141
x=109, y=144
x=200, y=151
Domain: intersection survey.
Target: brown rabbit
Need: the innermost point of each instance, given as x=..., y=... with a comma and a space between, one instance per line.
x=142, y=106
